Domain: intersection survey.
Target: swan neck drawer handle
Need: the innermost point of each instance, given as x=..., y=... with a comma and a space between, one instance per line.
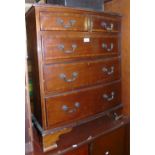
x=67, y=109
x=109, y=71
x=70, y=23
x=108, y=27
x=105, y=46
x=62, y=48
x=109, y=97
x=74, y=77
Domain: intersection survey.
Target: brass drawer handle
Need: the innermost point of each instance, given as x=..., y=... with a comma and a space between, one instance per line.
x=67, y=109
x=62, y=47
x=109, y=71
x=74, y=77
x=105, y=46
x=68, y=25
x=108, y=27
x=116, y=116
x=109, y=97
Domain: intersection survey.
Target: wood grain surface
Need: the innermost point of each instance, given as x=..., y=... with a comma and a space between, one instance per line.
x=80, y=74
x=123, y=7
x=81, y=104
x=67, y=45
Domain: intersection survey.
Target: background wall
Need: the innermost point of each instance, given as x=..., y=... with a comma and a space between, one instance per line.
x=123, y=7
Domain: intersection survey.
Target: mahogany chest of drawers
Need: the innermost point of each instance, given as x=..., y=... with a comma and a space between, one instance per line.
x=76, y=68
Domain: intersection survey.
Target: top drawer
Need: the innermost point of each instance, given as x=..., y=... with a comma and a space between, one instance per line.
x=63, y=21
x=100, y=23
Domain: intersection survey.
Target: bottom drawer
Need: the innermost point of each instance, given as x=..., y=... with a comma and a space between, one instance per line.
x=68, y=107
x=83, y=150
x=110, y=144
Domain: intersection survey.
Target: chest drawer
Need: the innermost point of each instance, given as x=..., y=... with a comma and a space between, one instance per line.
x=63, y=21
x=83, y=150
x=74, y=106
x=65, y=46
x=103, y=24
x=110, y=144
x=68, y=76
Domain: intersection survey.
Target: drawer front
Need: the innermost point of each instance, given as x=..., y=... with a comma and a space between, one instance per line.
x=110, y=144
x=63, y=21
x=103, y=24
x=68, y=76
x=73, y=46
x=74, y=106
x=83, y=150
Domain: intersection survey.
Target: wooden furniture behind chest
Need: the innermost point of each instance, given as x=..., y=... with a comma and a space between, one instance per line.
x=76, y=64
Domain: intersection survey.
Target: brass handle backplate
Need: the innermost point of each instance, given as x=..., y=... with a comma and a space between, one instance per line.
x=68, y=109
x=108, y=27
x=70, y=23
x=109, y=71
x=74, y=77
x=62, y=48
x=109, y=97
x=105, y=46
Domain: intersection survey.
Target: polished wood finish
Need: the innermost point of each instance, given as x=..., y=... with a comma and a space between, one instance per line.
x=127, y=139
x=75, y=45
x=100, y=23
x=110, y=144
x=84, y=135
x=104, y=71
x=73, y=89
x=36, y=51
x=49, y=141
x=83, y=150
x=33, y=58
x=63, y=21
x=90, y=101
x=123, y=7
